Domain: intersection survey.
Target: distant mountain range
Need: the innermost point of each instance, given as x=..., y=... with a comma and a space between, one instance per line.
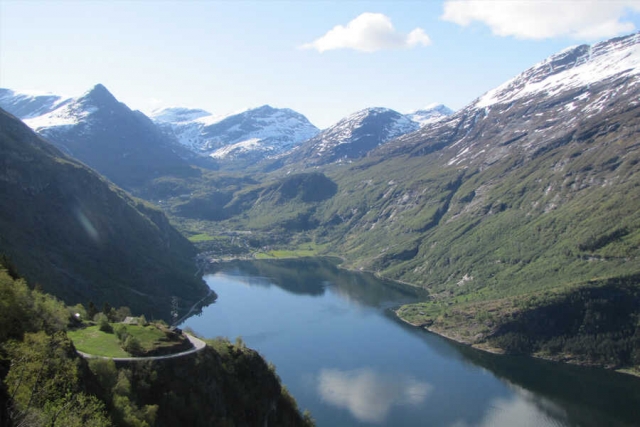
x=134, y=151
x=430, y=114
x=250, y=135
x=122, y=144
x=353, y=137
x=528, y=192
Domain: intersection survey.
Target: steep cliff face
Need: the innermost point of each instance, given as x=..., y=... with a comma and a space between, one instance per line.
x=223, y=385
x=84, y=239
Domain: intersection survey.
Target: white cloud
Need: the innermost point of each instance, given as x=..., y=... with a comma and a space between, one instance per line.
x=368, y=32
x=538, y=19
x=369, y=395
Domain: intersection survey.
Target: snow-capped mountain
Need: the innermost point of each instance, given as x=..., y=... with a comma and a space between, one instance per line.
x=25, y=105
x=573, y=68
x=552, y=103
x=354, y=136
x=430, y=114
x=95, y=128
x=250, y=135
x=178, y=115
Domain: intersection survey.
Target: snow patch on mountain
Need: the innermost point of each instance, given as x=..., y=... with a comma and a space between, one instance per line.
x=571, y=68
x=67, y=115
x=240, y=148
x=72, y=111
x=178, y=115
x=264, y=129
x=353, y=126
x=554, y=97
x=430, y=114
x=29, y=104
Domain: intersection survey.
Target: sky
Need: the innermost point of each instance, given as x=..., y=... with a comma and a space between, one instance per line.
x=323, y=59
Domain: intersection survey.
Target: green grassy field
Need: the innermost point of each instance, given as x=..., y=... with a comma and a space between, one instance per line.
x=93, y=341
x=276, y=254
x=203, y=237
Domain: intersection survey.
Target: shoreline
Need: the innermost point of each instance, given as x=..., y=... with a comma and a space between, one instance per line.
x=486, y=348
x=499, y=351
x=193, y=307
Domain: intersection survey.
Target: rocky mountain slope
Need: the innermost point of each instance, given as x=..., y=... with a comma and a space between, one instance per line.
x=554, y=144
x=81, y=238
x=122, y=144
x=247, y=136
x=352, y=137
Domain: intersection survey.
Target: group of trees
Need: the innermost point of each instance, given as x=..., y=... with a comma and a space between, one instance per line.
x=42, y=377
x=44, y=382
x=596, y=324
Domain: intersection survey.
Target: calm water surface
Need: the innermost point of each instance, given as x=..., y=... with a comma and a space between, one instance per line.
x=347, y=359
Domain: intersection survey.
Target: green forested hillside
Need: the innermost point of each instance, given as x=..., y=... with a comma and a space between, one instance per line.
x=83, y=239
x=44, y=382
x=495, y=204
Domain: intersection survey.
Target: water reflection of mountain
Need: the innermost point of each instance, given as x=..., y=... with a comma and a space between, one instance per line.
x=313, y=276
x=572, y=395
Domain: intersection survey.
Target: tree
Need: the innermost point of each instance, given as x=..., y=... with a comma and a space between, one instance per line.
x=103, y=323
x=8, y=265
x=122, y=313
x=132, y=345
x=106, y=308
x=92, y=310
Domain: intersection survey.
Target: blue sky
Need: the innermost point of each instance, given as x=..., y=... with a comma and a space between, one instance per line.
x=229, y=55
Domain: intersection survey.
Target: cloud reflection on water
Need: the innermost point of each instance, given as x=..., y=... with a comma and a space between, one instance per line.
x=522, y=409
x=369, y=395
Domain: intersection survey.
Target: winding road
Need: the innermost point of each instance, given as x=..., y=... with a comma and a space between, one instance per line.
x=198, y=345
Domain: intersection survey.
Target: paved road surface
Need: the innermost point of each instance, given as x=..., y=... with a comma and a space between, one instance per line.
x=198, y=345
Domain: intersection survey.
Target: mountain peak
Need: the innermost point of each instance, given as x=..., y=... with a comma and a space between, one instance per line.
x=99, y=95
x=354, y=136
x=572, y=68
x=265, y=107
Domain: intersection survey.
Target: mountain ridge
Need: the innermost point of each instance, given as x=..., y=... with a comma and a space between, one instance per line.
x=248, y=136
x=123, y=145
x=84, y=239
x=500, y=207
x=352, y=137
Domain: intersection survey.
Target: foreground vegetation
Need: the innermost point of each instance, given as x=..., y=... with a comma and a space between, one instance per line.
x=44, y=382
x=81, y=238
